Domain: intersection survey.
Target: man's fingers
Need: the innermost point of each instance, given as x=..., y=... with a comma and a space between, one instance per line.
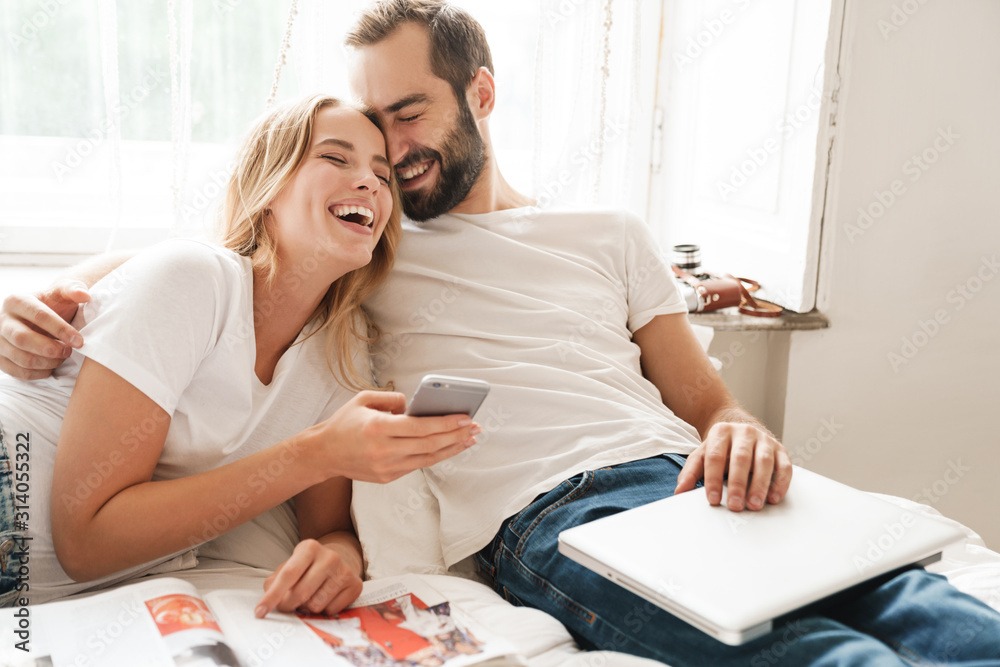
x=744, y=441
x=692, y=471
x=33, y=312
x=16, y=371
x=782, y=477
x=73, y=291
x=716, y=459
x=763, y=469
x=32, y=350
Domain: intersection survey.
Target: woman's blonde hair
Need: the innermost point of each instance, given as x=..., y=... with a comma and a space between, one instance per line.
x=267, y=160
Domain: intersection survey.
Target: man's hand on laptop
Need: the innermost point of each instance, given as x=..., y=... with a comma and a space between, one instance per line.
x=35, y=336
x=749, y=461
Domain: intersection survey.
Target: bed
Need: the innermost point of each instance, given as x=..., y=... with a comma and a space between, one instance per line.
x=539, y=638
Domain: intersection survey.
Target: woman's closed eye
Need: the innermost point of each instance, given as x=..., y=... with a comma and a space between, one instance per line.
x=334, y=158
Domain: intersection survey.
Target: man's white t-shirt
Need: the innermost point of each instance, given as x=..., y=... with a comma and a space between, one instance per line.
x=177, y=323
x=542, y=305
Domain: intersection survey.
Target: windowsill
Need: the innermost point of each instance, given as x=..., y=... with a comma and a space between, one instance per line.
x=730, y=319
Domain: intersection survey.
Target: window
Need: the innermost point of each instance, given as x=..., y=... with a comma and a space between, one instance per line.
x=747, y=108
x=119, y=119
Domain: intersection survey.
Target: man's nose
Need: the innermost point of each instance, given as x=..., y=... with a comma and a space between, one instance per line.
x=398, y=146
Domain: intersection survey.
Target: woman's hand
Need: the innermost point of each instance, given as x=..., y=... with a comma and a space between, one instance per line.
x=369, y=440
x=318, y=578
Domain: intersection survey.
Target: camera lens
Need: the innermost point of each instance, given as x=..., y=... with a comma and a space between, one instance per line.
x=687, y=257
x=437, y=384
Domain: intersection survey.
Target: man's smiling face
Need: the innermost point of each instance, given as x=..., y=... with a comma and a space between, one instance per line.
x=434, y=142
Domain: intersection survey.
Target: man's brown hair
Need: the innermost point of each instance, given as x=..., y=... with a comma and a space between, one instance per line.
x=458, y=42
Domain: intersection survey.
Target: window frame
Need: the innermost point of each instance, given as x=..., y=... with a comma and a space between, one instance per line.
x=799, y=290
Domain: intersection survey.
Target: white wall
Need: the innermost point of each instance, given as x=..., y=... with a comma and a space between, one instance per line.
x=928, y=428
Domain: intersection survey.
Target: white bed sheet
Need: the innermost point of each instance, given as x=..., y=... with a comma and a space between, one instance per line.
x=544, y=642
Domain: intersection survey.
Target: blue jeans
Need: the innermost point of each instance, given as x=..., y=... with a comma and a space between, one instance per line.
x=12, y=538
x=913, y=618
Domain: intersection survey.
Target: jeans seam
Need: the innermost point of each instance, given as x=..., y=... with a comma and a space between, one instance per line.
x=554, y=593
x=580, y=489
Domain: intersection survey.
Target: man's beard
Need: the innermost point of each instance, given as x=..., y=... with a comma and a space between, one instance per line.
x=461, y=161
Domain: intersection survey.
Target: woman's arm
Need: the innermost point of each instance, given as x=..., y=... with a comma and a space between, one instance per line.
x=113, y=435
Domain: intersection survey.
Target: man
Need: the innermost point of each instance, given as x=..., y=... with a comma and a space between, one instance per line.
x=599, y=386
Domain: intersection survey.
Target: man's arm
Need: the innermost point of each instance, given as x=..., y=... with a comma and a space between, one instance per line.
x=35, y=335
x=733, y=441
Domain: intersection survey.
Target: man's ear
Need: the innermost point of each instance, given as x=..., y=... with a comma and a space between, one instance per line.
x=481, y=94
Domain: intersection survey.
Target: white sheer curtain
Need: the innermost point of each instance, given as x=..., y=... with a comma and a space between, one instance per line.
x=594, y=94
x=119, y=119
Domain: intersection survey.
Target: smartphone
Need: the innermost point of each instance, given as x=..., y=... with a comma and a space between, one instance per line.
x=446, y=395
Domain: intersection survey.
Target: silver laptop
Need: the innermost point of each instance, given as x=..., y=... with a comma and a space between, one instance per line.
x=734, y=575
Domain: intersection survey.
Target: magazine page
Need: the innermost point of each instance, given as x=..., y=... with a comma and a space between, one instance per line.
x=157, y=622
x=396, y=621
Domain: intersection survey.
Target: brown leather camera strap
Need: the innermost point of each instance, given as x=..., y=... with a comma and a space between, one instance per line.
x=755, y=307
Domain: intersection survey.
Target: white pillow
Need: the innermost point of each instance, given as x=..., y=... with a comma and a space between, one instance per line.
x=398, y=525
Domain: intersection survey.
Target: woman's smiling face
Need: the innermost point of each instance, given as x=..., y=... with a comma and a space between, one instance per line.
x=336, y=205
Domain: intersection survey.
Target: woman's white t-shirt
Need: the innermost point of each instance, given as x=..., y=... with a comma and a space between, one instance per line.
x=176, y=322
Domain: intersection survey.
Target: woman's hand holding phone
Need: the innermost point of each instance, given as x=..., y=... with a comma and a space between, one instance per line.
x=369, y=439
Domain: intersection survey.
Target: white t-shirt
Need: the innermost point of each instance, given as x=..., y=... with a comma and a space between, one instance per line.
x=177, y=323
x=542, y=305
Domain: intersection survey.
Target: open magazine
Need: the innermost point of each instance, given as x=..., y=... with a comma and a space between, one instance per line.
x=395, y=621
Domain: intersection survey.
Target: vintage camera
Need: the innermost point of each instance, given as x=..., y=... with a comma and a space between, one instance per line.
x=702, y=291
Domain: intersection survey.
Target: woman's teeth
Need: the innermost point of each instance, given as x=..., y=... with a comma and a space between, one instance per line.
x=361, y=215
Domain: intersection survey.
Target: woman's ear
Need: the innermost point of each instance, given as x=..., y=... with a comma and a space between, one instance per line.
x=481, y=94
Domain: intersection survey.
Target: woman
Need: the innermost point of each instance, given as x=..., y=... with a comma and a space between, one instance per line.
x=203, y=398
